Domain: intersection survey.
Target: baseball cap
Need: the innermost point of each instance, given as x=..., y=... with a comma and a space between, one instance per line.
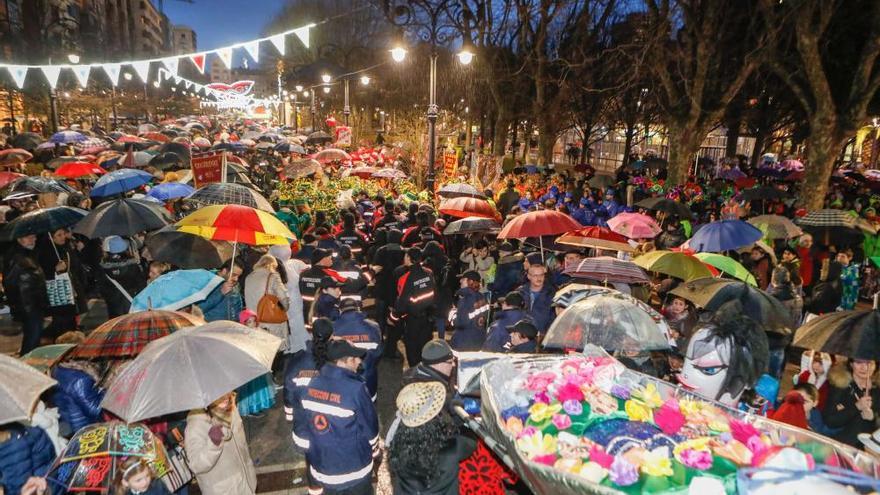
x=319, y=254
x=114, y=244
x=339, y=349
x=514, y=299
x=472, y=275
x=524, y=328
x=436, y=351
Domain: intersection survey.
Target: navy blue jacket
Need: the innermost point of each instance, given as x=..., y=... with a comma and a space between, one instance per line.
x=336, y=426
x=363, y=333
x=498, y=335
x=508, y=275
x=469, y=323
x=299, y=369
x=77, y=397
x=541, y=310
x=529, y=347
x=28, y=452
x=327, y=306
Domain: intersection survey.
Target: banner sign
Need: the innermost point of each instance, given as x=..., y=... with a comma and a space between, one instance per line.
x=343, y=136
x=208, y=168
x=450, y=164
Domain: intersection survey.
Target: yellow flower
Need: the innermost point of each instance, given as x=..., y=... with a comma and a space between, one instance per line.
x=649, y=395
x=537, y=445
x=701, y=443
x=514, y=425
x=690, y=407
x=637, y=411
x=593, y=472
x=656, y=462
x=572, y=466
x=540, y=411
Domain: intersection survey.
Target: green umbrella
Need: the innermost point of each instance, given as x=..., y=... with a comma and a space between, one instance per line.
x=44, y=357
x=729, y=266
x=673, y=263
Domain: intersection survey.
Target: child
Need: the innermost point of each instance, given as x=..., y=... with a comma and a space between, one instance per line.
x=814, y=370
x=797, y=406
x=258, y=394
x=136, y=478
x=157, y=268
x=678, y=315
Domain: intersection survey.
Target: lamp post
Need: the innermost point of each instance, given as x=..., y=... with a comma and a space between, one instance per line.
x=346, y=109
x=432, y=22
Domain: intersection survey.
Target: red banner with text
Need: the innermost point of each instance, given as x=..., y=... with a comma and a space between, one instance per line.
x=208, y=169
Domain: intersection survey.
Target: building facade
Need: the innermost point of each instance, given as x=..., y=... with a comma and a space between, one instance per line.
x=183, y=39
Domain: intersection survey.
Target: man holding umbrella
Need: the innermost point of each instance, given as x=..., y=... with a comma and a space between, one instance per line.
x=25, y=287
x=224, y=302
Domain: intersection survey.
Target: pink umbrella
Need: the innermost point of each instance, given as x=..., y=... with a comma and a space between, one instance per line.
x=792, y=165
x=331, y=155
x=634, y=225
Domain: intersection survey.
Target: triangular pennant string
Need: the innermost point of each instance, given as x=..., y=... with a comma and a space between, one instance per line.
x=253, y=49
x=18, y=73
x=113, y=71
x=82, y=74
x=303, y=35
x=142, y=67
x=51, y=72
x=278, y=41
x=172, y=64
x=199, y=61
x=225, y=55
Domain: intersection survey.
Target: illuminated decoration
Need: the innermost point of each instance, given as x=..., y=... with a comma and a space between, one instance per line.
x=253, y=49
x=235, y=96
x=51, y=72
x=172, y=64
x=18, y=73
x=113, y=71
x=82, y=74
x=278, y=41
x=225, y=56
x=143, y=70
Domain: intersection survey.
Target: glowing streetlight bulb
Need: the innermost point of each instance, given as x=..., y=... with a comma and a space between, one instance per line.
x=465, y=56
x=299, y=88
x=326, y=78
x=156, y=84
x=306, y=93
x=74, y=58
x=127, y=76
x=398, y=53
x=326, y=89
x=365, y=80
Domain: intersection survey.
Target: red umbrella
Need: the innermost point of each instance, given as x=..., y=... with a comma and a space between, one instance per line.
x=128, y=138
x=75, y=170
x=7, y=177
x=596, y=237
x=156, y=136
x=537, y=223
x=468, y=207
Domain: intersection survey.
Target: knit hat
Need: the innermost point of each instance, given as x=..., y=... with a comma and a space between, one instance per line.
x=322, y=328
x=114, y=244
x=420, y=402
x=436, y=351
x=246, y=315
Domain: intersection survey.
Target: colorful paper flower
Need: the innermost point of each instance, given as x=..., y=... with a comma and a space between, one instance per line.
x=573, y=407
x=569, y=391
x=600, y=402
x=537, y=445
x=561, y=421
x=669, y=418
x=593, y=472
x=697, y=459
x=543, y=397
x=514, y=425
x=743, y=431
x=620, y=391
x=569, y=465
x=622, y=472
x=637, y=411
x=648, y=395
x=539, y=382
x=540, y=411
x=656, y=462
x=600, y=457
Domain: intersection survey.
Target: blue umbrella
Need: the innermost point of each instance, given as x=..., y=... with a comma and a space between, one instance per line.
x=176, y=290
x=234, y=146
x=725, y=235
x=120, y=181
x=65, y=137
x=170, y=190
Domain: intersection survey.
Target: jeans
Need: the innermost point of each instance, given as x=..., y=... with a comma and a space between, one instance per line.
x=31, y=330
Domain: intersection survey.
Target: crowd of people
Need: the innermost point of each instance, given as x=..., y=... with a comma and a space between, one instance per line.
x=379, y=277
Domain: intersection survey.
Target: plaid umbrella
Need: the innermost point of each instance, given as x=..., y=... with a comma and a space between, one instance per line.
x=596, y=237
x=606, y=269
x=227, y=193
x=776, y=226
x=855, y=334
x=828, y=218
x=127, y=335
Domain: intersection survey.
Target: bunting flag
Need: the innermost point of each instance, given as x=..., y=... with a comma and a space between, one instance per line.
x=225, y=56
x=51, y=72
x=171, y=63
x=18, y=73
x=198, y=60
x=82, y=74
x=303, y=35
x=113, y=71
x=177, y=79
x=187, y=83
x=278, y=41
x=253, y=49
x=142, y=67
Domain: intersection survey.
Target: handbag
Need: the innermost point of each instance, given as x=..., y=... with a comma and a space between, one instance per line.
x=269, y=309
x=60, y=290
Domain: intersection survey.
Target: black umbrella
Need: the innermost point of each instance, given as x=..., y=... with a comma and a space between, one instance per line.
x=56, y=163
x=164, y=161
x=179, y=149
x=318, y=138
x=855, y=334
x=38, y=185
x=720, y=295
x=26, y=140
x=765, y=193
x=186, y=250
x=667, y=206
x=124, y=217
x=41, y=222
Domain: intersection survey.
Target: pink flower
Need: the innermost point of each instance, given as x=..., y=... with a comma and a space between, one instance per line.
x=569, y=391
x=743, y=431
x=540, y=381
x=600, y=457
x=669, y=417
x=561, y=421
x=542, y=397
x=697, y=459
x=548, y=459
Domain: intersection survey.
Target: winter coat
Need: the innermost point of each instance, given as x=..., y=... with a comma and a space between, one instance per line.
x=388, y=257
x=326, y=306
x=77, y=395
x=49, y=257
x=295, y=319
x=508, y=274
x=220, y=306
x=507, y=200
x=220, y=470
x=299, y=369
x=356, y=281
x=469, y=321
x=445, y=479
x=498, y=336
x=255, y=287
x=541, y=309
x=363, y=333
x=528, y=347
x=840, y=407
x=484, y=266
x=24, y=283
x=27, y=452
x=826, y=294
x=127, y=272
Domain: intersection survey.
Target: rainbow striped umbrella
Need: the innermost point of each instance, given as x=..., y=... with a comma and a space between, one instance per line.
x=236, y=223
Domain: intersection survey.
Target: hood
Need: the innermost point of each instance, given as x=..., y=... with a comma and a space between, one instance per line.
x=282, y=252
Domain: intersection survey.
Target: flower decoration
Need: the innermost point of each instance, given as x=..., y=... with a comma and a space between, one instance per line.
x=656, y=462
x=568, y=392
x=648, y=395
x=543, y=397
x=600, y=457
x=539, y=382
x=637, y=411
x=669, y=417
x=573, y=407
x=568, y=465
x=743, y=431
x=561, y=421
x=623, y=472
x=697, y=459
x=600, y=402
x=537, y=445
x=620, y=391
x=514, y=425
x=540, y=411
x=593, y=472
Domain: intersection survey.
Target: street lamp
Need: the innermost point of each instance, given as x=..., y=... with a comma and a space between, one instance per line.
x=465, y=55
x=365, y=80
x=73, y=58
x=326, y=78
x=306, y=93
x=398, y=53
x=299, y=88
x=326, y=89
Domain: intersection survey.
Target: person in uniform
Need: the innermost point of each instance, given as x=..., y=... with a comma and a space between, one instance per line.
x=363, y=333
x=470, y=314
x=413, y=308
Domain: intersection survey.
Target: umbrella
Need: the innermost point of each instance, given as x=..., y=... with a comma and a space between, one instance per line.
x=75, y=170
x=176, y=290
x=613, y=321
x=855, y=334
x=666, y=205
x=634, y=225
x=39, y=185
x=134, y=159
x=288, y=148
x=792, y=164
x=763, y=247
x=65, y=137
x=459, y=190
x=724, y=235
x=206, y=361
x=721, y=295
x=831, y=224
x=572, y=293
x=318, y=137
x=596, y=237
x=673, y=263
x=61, y=160
x=201, y=142
x=236, y=223
x=601, y=181
x=20, y=389
x=364, y=172
x=464, y=207
x=145, y=128
x=123, y=217
x=42, y=221
x=170, y=190
x=182, y=150
x=233, y=146
x=7, y=177
x=606, y=269
x=776, y=226
x=156, y=136
x=331, y=155
x=764, y=193
x=187, y=250
x=728, y=265
x=537, y=224
x=125, y=336
x=469, y=225
x=227, y=193
x=167, y=160
x=92, y=460
x=128, y=138
x=120, y=181
x=14, y=156
x=301, y=168
x=390, y=173
x=26, y=140
x=43, y=358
